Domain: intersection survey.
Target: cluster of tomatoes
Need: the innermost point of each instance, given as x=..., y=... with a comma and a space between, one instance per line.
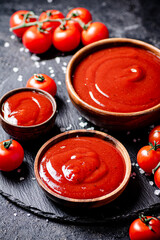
x=51, y=27
x=148, y=157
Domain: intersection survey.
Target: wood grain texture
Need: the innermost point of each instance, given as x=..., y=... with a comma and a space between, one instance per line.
x=124, y=19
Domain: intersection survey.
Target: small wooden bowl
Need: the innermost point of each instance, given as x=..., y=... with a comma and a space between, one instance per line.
x=25, y=133
x=107, y=119
x=89, y=203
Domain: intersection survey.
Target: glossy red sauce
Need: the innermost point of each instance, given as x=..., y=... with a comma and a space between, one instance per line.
x=82, y=168
x=119, y=79
x=27, y=108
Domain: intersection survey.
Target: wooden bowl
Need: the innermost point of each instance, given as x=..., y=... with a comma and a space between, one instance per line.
x=25, y=133
x=107, y=119
x=89, y=203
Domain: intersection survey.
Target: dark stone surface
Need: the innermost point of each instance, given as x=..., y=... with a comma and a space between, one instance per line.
x=133, y=19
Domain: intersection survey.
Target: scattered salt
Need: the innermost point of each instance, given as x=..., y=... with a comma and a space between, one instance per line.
x=12, y=36
x=68, y=100
x=49, y=1
x=26, y=50
x=62, y=129
x=157, y=192
x=21, y=49
x=151, y=183
x=6, y=44
x=64, y=64
x=59, y=83
x=134, y=140
x=80, y=118
x=141, y=171
x=64, y=69
x=15, y=69
x=49, y=68
x=83, y=124
x=52, y=75
x=33, y=178
x=28, y=214
x=15, y=214
x=57, y=59
x=35, y=57
x=51, y=71
x=21, y=179
x=69, y=127
x=20, y=78
x=91, y=128
x=43, y=63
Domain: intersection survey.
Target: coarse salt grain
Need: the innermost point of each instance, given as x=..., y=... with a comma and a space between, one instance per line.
x=59, y=83
x=21, y=179
x=69, y=127
x=68, y=100
x=141, y=171
x=6, y=44
x=83, y=124
x=15, y=69
x=157, y=192
x=57, y=59
x=15, y=214
x=80, y=118
x=64, y=69
x=52, y=75
x=26, y=50
x=64, y=64
x=151, y=183
x=49, y=1
x=43, y=63
x=20, y=78
x=91, y=128
x=51, y=71
x=35, y=57
x=21, y=49
x=62, y=129
x=12, y=36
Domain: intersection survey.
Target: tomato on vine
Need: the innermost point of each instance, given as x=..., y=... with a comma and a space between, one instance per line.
x=145, y=228
x=148, y=157
x=66, y=38
x=37, y=40
x=11, y=155
x=79, y=15
x=44, y=82
x=94, y=32
x=156, y=172
x=51, y=15
x=154, y=135
x=18, y=18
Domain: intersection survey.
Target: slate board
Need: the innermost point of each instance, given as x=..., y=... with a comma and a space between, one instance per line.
x=18, y=65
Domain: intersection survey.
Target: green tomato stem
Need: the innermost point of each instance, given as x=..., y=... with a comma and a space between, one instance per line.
x=7, y=144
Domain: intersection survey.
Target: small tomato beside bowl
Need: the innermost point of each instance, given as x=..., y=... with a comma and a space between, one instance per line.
x=11, y=155
x=44, y=82
x=154, y=135
x=145, y=228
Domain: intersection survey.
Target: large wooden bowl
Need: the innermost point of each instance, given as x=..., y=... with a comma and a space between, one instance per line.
x=89, y=203
x=25, y=133
x=107, y=119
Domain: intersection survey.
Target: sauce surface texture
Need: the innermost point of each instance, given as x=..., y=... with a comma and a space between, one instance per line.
x=119, y=79
x=82, y=168
x=27, y=108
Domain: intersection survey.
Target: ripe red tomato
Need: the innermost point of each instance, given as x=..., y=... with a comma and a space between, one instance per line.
x=44, y=82
x=148, y=158
x=36, y=41
x=79, y=13
x=66, y=40
x=11, y=155
x=95, y=32
x=146, y=229
x=155, y=135
x=157, y=177
x=51, y=14
x=17, y=19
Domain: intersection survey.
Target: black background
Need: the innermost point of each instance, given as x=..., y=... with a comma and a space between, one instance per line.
x=132, y=19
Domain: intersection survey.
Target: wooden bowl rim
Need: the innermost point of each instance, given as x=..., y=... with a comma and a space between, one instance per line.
x=84, y=51
x=23, y=89
x=81, y=132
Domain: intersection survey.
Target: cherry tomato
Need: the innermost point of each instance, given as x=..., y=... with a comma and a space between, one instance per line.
x=17, y=19
x=146, y=229
x=11, y=155
x=157, y=177
x=148, y=158
x=36, y=41
x=66, y=39
x=51, y=14
x=95, y=32
x=44, y=82
x=77, y=14
x=155, y=135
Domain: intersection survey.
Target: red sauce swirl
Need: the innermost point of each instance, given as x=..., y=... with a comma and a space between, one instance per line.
x=27, y=108
x=82, y=168
x=119, y=79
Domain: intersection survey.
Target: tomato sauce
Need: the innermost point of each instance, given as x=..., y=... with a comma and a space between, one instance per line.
x=82, y=168
x=119, y=79
x=27, y=108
